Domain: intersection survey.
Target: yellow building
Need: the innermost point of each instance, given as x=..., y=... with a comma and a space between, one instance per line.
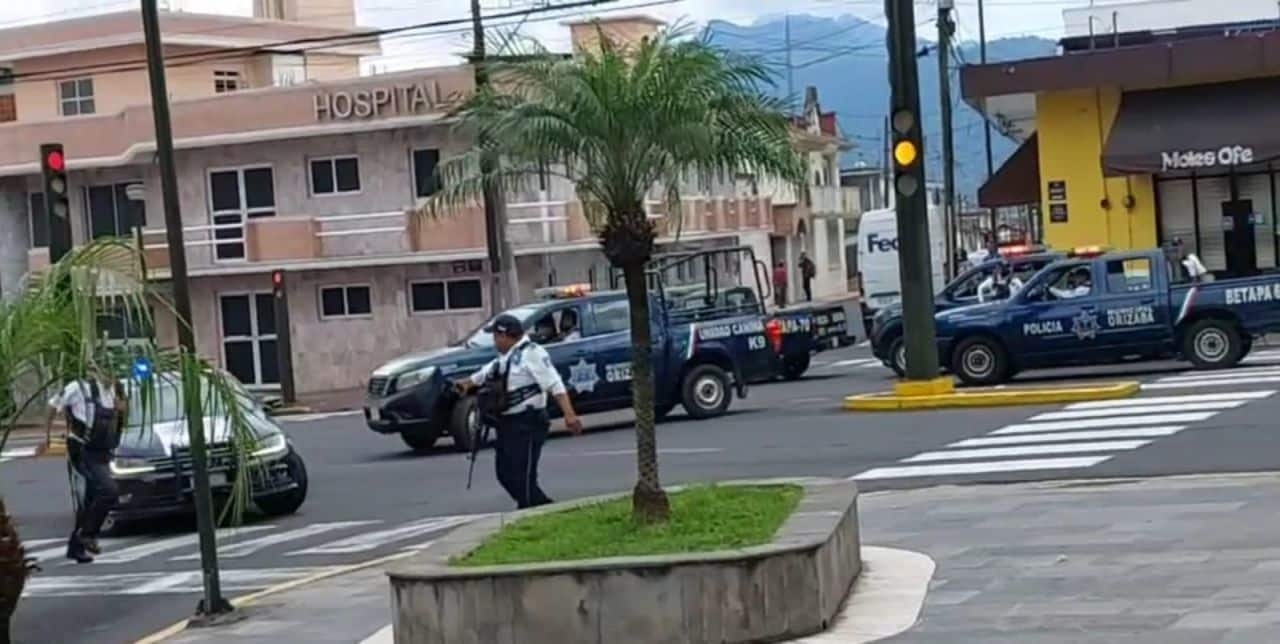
x=1137, y=139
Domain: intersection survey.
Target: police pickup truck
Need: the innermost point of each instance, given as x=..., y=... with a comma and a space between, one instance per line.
x=885, y=331
x=1105, y=308
x=700, y=359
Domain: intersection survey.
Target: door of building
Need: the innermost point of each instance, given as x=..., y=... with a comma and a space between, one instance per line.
x=249, y=337
x=1238, y=237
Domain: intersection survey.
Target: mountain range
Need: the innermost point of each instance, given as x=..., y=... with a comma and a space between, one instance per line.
x=846, y=59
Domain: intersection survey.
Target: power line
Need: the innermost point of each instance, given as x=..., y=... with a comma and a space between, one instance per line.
x=303, y=45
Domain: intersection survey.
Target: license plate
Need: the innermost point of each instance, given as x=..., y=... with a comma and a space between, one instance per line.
x=374, y=415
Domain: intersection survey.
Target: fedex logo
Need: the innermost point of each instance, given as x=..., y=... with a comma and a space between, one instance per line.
x=877, y=243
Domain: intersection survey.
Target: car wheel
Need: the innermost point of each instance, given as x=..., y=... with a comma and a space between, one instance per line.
x=464, y=422
x=898, y=356
x=705, y=392
x=1213, y=344
x=289, y=501
x=980, y=361
x=421, y=438
x=793, y=367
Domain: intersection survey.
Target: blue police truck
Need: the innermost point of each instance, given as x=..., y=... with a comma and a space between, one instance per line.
x=1103, y=308
x=885, y=330
x=709, y=342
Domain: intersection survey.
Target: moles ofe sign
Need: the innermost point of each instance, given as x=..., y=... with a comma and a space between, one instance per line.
x=377, y=102
x=1230, y=155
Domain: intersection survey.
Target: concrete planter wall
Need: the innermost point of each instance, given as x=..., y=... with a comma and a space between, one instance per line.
x=789, y=588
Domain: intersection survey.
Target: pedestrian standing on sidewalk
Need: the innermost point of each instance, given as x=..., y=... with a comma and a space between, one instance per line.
x=524, y=375
x=807, y=272
x=94, y=410
x=780, y=284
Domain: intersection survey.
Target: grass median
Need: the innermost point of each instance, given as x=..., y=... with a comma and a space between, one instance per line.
x=703, y=519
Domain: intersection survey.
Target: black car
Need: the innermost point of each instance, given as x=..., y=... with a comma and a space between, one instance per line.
x=886, y=326
x=153, y=466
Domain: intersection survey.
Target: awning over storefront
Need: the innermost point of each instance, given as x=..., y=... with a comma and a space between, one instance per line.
x=1017, y=182
x=1206, y=129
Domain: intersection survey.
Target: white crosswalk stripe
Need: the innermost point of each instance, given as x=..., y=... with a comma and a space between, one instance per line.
x=151, y=583
x=246, y=548
x=1078, y=436
x=373, y=540
x=16, y=453
x=169, y=544
x=1238, y=377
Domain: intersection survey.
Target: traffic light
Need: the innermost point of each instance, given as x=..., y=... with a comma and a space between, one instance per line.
x=53, y=167
x=277, y=283
x=906, y=152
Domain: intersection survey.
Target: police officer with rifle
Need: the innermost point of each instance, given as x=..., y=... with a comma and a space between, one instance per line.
x=511, y=394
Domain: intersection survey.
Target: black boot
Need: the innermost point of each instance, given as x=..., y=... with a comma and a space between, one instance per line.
x=76, y=550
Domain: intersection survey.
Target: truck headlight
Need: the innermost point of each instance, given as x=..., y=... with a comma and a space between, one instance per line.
x=273, y=445
x=131, y=466
x=414, y=378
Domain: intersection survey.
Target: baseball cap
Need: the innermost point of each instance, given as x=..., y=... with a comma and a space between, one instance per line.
x=507, y=325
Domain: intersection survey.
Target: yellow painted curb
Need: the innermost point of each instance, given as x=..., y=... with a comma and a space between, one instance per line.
x=990, y=397
x=55, y=447
x=915, y=388
x=245, y=600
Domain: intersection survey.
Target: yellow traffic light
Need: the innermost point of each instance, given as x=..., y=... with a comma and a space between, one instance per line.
x=905, y=153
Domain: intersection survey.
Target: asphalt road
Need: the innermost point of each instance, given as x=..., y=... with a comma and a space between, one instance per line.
x=369, y=497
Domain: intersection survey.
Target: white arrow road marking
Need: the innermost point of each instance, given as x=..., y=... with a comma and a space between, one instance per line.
x=246, y=548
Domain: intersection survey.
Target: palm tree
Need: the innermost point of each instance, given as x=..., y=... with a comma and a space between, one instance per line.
x=617, y=123
x=51, y=334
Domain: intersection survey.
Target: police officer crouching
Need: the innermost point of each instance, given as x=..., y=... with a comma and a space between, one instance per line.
x=512, y=398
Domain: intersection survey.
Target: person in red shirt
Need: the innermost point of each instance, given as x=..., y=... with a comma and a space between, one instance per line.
x=780, y=284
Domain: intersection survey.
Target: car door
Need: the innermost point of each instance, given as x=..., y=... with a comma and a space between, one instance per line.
x=1134, y=318
x=573, y=358
x=1045, y=328
x=608, y=327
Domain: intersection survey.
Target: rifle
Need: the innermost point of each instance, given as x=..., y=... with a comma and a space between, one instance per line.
x=479, y=435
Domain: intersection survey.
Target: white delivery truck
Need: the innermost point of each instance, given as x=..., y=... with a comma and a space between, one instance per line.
x=878, y=258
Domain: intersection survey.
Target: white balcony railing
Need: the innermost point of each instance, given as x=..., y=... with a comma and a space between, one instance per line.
x=833, y=200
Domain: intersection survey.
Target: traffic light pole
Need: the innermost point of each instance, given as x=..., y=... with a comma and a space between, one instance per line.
x=946, y=29
x=908, y=183
x=213, y=602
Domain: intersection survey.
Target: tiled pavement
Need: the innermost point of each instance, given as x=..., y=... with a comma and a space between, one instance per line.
x=1165, y=561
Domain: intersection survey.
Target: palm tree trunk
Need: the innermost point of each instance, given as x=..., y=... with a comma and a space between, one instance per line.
x=649, y=502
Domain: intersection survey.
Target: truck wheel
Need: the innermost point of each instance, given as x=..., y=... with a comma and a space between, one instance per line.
x=464, y=422
x=1213, y=344
x=898, y=356
x=422, y=438
x=705, y=392
x=793, y=367
x=980, y=361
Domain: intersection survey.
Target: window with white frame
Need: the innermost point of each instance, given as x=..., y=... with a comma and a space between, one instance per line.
x=237, y=194
x=348, y=301
x=75, y=97
x=335, y=176
x=110, y=212
x=225, y=80
x=446, y=295
x=37, y=221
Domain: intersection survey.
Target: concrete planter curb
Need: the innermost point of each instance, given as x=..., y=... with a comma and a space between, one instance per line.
x=791, y=587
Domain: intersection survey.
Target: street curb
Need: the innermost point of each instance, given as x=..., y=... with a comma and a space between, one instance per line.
x=293, y=410
x=990, y=397
x=246, y=600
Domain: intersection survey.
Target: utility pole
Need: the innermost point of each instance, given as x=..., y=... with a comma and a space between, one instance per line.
x=791, y=78
x=502, y=285
x=986, y=120
x=213, y=602
x=946, y=28
x=909, y=187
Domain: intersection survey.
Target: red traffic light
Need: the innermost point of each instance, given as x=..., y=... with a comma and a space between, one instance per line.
x=55, y=161
x=277, y=278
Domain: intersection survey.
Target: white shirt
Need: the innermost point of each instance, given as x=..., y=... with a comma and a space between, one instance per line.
x=533, y=367
x=1070, y=293
x=78, y=398
x=988, y=286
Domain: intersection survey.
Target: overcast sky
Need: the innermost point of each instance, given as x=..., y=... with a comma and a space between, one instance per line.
x=1004, y=17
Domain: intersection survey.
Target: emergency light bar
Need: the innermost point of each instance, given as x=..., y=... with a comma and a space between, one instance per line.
x=1087, y=251
x=563, y=292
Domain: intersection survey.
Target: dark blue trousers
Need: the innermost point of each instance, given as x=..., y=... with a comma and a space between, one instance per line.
x=518, y=446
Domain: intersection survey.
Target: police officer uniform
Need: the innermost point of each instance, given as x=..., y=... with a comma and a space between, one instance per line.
x=523, y=425
x=81, y=402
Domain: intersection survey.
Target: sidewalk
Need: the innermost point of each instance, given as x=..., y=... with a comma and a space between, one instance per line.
x=1188, y=559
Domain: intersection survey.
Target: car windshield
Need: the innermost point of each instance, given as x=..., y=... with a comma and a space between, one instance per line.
x=482, y=338
x=165, y=403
